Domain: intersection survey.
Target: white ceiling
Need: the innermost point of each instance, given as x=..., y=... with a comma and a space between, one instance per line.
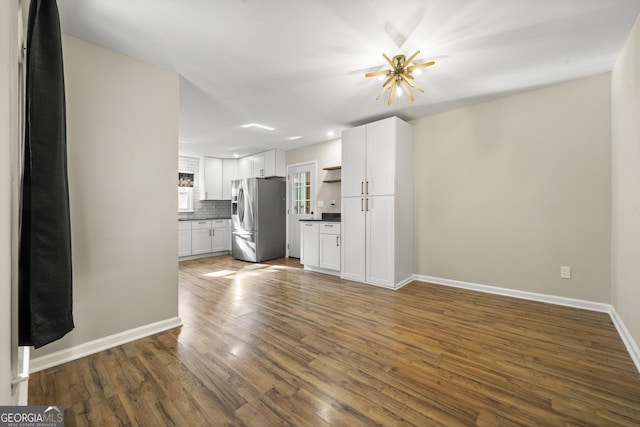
x=298, y=65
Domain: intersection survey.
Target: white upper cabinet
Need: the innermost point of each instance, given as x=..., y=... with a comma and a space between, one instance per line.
x=267, y=164
x=257, y=165
x=229, y=173
x=380, y=158
x=274, y=163
x=368, y=159
x=354, y=142
x=216, y=176
x=245, y=167
x=210, y=178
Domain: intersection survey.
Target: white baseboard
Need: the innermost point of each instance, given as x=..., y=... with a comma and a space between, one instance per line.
x=95, y=346
x=626, y=337
x=323, y=270
x=404, y=282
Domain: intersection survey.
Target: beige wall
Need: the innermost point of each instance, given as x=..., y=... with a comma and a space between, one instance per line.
x=625, y=242
x=122, y=127
x=327, y=154
x=508, y=191
x=8, y=139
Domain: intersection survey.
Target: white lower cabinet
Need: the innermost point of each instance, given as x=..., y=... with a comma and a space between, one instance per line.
x=220, y=235
x=204, y=237
x=309, y=236
x=368, y=223
x=200, y=237
x=320, y=246
x=184, y=238
x=380, y=241
x=330, y=246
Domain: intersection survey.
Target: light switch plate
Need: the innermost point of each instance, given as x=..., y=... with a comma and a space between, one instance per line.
x=565, y=272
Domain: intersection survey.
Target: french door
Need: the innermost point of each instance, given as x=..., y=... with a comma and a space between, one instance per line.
x=301, y=200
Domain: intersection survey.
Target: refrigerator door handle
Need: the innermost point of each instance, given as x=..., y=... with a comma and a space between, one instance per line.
x=241, y=204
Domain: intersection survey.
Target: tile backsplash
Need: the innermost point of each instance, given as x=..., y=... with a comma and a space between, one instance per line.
x=201, y=208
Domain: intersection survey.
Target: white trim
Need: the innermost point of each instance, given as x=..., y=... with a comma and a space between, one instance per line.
x=395, y=287
x=552, y=299
x=105, y=343
x=627, y=339
x=404, y=282
x=322, y=270
x=207, y=255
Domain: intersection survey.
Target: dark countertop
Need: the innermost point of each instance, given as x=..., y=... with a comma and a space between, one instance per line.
x=321, y=220
x=200, y=219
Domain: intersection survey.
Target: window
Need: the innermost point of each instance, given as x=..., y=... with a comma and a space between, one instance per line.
x=301, y=193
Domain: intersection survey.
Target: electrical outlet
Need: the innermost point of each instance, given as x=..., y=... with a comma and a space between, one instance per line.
x=565, y=272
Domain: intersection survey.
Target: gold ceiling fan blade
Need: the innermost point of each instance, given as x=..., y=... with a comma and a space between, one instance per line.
x=386, y=85
x=378, y=73
x=413, y=83
x=418, y=66
x=393, y=91
x=393, y=66
x=388, y=82
x=411, y=58
x=407, y=89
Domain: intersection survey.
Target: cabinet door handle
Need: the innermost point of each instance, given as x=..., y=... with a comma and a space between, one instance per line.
x=209, y=232
x=206, y=194
x=367, y=187
x=361, y=188
x=213, y=230
x=329, y=225
x=337, y=240
x=366, y=205
x=308, y=225
x=361, y=208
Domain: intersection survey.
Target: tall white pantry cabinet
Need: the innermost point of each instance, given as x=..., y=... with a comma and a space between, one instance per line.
x=377, y=203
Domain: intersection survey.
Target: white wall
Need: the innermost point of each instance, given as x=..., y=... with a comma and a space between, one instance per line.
x=625, y=241
x=327, y=154
x=8, y=128
x=508, y=191
x=122, y=143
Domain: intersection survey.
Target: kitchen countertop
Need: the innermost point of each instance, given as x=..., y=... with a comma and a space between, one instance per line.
x=326, y=217
x=201, y=219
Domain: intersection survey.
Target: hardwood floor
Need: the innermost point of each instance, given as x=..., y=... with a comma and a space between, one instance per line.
x=271, y=344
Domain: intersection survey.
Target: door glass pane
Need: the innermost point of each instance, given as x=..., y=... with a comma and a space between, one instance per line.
x=301, y=193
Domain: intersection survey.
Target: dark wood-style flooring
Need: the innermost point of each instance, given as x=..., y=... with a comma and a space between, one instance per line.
x=271, y=344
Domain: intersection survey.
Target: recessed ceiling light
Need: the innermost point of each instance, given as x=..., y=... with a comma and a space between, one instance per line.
x=236, y=155
x=293, y=138
x=331, y=133
x=257, y=125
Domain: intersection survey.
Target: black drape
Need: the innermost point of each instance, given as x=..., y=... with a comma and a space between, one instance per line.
x=45, y=282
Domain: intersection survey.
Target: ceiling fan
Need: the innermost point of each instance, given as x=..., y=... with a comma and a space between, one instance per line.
x=400, y=76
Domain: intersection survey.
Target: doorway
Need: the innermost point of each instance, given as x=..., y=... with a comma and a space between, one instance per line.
x=301, y=201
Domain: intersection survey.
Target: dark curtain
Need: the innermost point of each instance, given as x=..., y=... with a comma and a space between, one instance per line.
x=45, y=282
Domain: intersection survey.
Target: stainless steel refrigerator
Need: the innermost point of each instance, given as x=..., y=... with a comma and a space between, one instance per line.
x=258, y=219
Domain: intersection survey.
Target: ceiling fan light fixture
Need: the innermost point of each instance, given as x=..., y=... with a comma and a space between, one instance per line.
x=400, y=77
